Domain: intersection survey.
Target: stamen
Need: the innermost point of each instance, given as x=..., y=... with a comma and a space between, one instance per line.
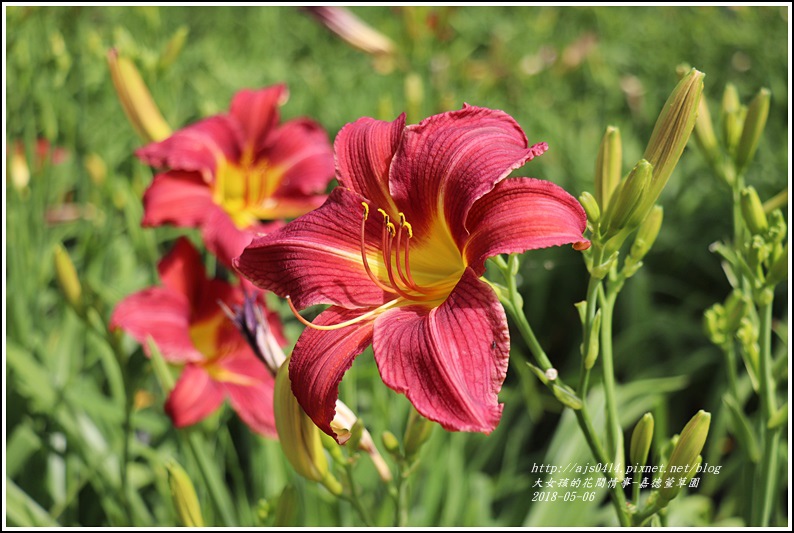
x=344, y=324
x=371, y=275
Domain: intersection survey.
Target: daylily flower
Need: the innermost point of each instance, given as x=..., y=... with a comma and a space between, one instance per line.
x=398, y=251
x=228, y=173
x=185, y=319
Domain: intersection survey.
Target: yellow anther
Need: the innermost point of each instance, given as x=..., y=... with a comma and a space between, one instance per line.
x=390, y=227
x=384, y=213
x=402, y=218
x=407, y=226
x=366, y=209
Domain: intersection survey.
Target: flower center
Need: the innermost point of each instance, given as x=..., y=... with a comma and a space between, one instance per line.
x=440, y=267
x=245, y=189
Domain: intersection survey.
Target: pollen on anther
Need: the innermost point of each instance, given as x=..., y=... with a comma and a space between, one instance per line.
x=366, y=209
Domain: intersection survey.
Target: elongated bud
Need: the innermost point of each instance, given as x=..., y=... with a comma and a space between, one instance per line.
x=754, y=123
x=685, y=454
x=67, y=279
x=136, y=100
x=641, y=439
x=704, y=133
x=628, y=197
x=608, y=166
x=390, y=442
x=352, y=29
x=183, y=494
x=416, y=433
x=778, y=272
x=299, y=437
x=567, y=396
x=753, y=211
x=735, y=310
x=672, y=131
x=591, y=354
x=591, y=209
x=776, y=202
x=19, y=169
x=732, y=118
x=646, y=235
x=173, y=48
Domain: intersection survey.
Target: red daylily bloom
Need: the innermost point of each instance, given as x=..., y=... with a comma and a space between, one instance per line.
x=229, y=172
x=186, y=321
x=398, y=250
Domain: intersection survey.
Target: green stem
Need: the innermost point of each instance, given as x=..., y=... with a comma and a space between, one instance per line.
x=354, y=498
x=592, y=300
x=401, y=497
x=217, y=491
x=767, y=475
x=614, y=432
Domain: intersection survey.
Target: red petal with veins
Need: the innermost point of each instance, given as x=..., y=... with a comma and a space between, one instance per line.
x=317, y=258
x=450, y=361
x=364, y=151
x=194, y=398
x=321, y=358
x=300, y=150
x=257, y=113
x=448, y=161
x=522, y=214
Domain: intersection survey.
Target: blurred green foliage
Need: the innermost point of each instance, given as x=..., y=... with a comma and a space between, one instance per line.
x=564, y=73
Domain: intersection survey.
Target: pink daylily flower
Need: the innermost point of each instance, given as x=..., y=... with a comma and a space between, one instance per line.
x=228, y=173
x=398, y=251
x=185, y=319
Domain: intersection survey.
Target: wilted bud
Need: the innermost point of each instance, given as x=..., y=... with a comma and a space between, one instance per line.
x=753, y=211
x=19, y=171
x=299, y=437
x=671, y=133
x=352, y=29
x=591, y=354
x=732, y=120
x=754, y=124
x=591, y=209
x=608, y=166
x=416, y=433
x=136, y=100
x=646, y=235
x=778, y=272
x=628, y=197
x=350, y=429
x=685, y=454
x=183, y=494
x=255, y=329
x=641, y=440
x=173, y=48
x=67, y=279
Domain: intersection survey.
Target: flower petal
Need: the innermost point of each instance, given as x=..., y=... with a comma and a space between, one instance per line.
x=257, y=113
x=364, y=150
x=317, y=258
x=451, y=360
x=178, y=198
x=522, y=214
x=448, y=161
x=300, y=152
x=222, y=237
x=161, y=314
x=182, y=270
x=194, y=397
x=197, y=147
x=253, y=401
x=321, y=358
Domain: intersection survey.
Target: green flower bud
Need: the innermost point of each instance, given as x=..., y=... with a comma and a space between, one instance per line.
x=390, y=442
x=704, y=133
x=416, y=433
x=686, y=452
x=591, y=209
x=173, y=48
x=671, y=133
x=627, y=197
x=608, y=166
x=67, y=278
x=736, y=306
x=778, y=272
x=753, y=211
x=731, y=117
x=754, y=124
x=641, y=439
x=779, y=417
x=591, y=354
x=646, y=235
x=567, y=396
x=714, y=324
x=183, y=494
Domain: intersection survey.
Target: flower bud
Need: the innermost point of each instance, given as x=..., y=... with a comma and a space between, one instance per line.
x=590, y=208
x=96, y=168
x=753, y=211
x=567, y=396
x=778, y=272
x=136, y=100
x=416, y=433
x=754, y=124
x=646, y=235
x=641, y=439
x=183, y=494
x=704, y=133
x=608, y=166
x=390, y=442
x=671, y=133
x=736, y=306
x=731, y=117
x=173, y=48
x=299, y=437
x=67, y=279
x=714, y=324
x=352, y=30
x=19, y=169
x=591, y=354
x=628, y=197
x=686, y=452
